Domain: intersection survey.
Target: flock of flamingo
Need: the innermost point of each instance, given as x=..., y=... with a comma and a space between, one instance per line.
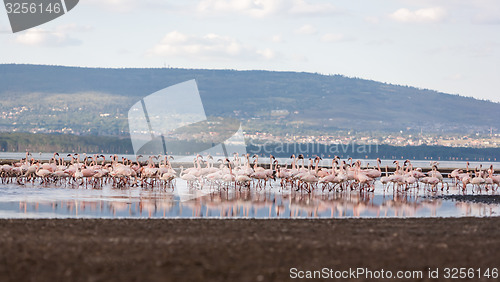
x=239, y=172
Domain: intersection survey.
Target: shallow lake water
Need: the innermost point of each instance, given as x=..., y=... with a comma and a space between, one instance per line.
x=66, y=201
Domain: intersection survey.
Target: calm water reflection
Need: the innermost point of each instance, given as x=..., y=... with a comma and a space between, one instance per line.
x=65, y=202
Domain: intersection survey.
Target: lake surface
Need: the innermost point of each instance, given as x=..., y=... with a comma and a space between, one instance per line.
x=67, y=201
x=34, y=201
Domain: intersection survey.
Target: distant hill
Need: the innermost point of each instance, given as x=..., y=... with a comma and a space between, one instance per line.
x=96, y=100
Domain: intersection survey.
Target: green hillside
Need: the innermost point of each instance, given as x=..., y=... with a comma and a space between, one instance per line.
x=96, y=101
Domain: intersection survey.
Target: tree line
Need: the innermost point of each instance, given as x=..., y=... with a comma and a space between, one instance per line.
x=48, y=143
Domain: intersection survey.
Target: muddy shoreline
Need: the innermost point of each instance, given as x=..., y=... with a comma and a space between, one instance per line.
x=238, y=250
x=483, y=199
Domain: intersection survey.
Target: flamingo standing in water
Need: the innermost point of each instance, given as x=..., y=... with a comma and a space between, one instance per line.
x=385, y=179
x=240, y=173
x=495, y=178
x=228, y=177
x=309, y=179
x=410, y=179
x=243, y=179
x=465, y=179
x=329, y=178
x=43, y=173
x=190, y=178
x=259, y=175
x=374, y=173
x=397, y=177
x=78, y=175
x=477, y=180
x=361, y=178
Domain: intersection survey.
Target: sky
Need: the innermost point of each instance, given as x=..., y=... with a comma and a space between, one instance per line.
x=452, y=46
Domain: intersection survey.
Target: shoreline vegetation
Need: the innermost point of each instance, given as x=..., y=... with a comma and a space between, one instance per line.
x=49, y=143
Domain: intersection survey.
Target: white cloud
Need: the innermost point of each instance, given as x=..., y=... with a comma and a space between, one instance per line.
x=333, y=37
x=372, y=20
x=299, y=58
x=207, y=47
x=474, y=50
x=455, y=77
x=125, y=6
x=306, y=30
x=4, y=29
x=115, y=5
x=301, y=7
x=267, y=53
x=250, y=7
x=485, y=49
x=278, y=38
x=429, y=15
x=486, y=18
x=484, y=11
x=263, y=8
x=41, y=37
x=380, y=41
x=74, y=28
x=336, y=37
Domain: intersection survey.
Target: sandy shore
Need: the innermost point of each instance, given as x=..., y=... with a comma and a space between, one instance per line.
x=238, y=250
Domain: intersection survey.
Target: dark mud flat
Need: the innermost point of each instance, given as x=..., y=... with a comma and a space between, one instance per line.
x=239, y=250
x=484, y=199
